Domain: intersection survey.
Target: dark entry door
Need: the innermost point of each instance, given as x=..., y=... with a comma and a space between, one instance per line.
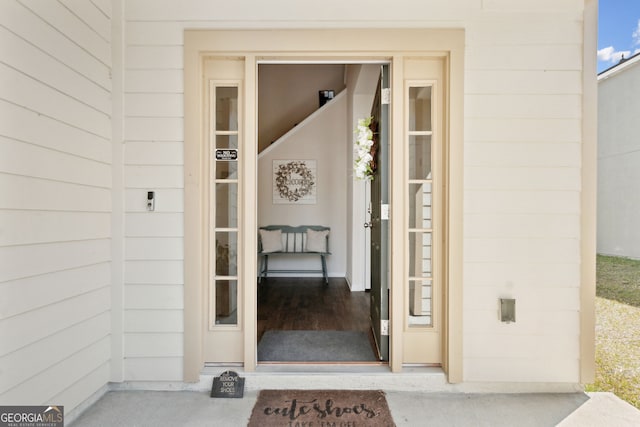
x=379, y=224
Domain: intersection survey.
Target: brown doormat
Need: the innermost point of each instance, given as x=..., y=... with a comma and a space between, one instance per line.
x=321, y=408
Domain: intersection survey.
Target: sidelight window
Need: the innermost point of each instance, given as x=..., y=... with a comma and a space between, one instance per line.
x=224, y=136
x=420, y=204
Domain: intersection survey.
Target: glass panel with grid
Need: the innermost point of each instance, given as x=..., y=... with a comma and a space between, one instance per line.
x=420, y=205
x=224, y=205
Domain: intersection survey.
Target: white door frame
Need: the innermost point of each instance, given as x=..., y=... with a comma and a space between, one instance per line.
x=341, y=46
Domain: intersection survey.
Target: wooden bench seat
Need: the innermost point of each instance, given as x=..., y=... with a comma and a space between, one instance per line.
x=281, y=240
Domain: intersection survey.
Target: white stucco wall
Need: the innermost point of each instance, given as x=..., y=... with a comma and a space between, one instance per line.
x=55, y=201
x=619, y=161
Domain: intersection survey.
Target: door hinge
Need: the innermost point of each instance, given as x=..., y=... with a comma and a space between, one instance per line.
x=384, y=327
x=385, y=96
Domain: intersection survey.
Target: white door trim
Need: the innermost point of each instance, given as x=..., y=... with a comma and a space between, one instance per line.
x=315, y=45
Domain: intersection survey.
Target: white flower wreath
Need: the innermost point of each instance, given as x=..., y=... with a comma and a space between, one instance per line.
x=362, y=148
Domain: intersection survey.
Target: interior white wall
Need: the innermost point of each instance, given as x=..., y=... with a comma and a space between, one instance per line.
x=361, y=86
x=55, y=201
x=321, y=138
x=354, y=270
x=618, y=161
x=288, y=93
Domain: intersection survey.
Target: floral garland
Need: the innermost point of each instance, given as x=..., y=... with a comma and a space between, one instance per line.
x=283, y=178
x=364, y=151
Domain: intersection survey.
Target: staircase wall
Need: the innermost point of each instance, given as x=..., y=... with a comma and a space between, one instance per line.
x=288, y=93
x=323, y=139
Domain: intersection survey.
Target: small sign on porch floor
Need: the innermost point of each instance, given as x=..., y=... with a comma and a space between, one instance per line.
x=228, y=384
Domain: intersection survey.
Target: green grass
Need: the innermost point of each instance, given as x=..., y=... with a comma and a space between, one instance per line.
x=618, y=328
x=618, y=279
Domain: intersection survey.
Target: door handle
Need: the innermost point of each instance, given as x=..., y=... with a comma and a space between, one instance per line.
x=368, y=224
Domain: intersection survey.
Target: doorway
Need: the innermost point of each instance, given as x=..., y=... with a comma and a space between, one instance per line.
x=228, y=59
x=320, y=133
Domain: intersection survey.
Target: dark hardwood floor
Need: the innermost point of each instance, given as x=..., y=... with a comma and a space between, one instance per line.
x=309, y=304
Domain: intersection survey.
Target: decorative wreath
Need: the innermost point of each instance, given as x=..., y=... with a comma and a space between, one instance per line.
x=365, y=149
x=283, y=177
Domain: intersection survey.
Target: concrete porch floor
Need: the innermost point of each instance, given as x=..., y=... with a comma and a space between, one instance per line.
x=408, y=408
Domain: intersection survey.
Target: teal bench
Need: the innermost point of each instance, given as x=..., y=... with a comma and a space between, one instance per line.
x=286, y=240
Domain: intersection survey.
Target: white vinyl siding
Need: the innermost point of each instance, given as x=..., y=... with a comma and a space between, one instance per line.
x=153, y=109
x=523, y=110
x=618, y=160
x=522, y=167
x=55, y=201
x=153, y=325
